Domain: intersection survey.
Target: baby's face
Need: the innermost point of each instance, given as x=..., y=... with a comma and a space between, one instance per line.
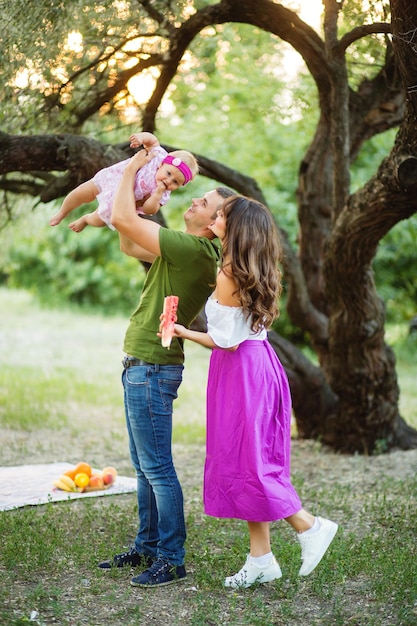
x=170, y=176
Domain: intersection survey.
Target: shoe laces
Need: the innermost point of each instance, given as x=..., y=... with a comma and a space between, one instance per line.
x=306, y=544
x=160, y=565
x=131, y=552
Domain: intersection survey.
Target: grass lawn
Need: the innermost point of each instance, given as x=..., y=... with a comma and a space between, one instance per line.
x=61, y=400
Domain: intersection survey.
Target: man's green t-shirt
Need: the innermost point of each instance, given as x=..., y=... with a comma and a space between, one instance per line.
x=187, y=268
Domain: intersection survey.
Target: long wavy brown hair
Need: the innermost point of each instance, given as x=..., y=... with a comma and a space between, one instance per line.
x=251, y=253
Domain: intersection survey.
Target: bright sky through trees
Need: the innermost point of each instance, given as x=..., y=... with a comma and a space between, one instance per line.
x=309, y=10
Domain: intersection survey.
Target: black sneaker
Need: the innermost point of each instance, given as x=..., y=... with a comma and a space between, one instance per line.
x=160, y=573
x=131, y=558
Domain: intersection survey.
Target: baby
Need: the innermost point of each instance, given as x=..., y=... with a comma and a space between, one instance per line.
x=154, y=183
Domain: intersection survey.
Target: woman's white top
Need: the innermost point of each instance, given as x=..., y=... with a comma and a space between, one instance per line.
x=228, y=326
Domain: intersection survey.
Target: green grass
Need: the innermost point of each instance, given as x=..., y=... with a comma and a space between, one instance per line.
x=47, y=395
x=61, y=399
x=405, y=348
x=49, y=557
x=61, y=364
x=50, y=359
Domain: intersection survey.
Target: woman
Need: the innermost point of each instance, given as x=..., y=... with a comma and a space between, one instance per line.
x=247, y=469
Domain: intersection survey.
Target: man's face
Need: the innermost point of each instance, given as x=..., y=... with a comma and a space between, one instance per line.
x=203, y=211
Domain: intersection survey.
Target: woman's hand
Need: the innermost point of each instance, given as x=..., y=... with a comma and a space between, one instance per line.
x=193, y=335
x=179, y=330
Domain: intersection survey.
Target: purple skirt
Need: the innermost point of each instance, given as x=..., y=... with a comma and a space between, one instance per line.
x=247, y=468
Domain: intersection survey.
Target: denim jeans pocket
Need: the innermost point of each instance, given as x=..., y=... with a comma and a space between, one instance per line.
x=168, y=388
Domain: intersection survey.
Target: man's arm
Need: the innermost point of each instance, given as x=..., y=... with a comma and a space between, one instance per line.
x=139, y=231
x=130, y=248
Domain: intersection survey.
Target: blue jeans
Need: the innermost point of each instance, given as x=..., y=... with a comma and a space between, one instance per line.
x=149, y=392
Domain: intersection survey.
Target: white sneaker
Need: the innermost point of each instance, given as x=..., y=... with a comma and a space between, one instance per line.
x=314, y=545
x=251, y=573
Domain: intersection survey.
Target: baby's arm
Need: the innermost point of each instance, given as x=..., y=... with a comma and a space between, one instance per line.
x=147, y=140
x=153, y=203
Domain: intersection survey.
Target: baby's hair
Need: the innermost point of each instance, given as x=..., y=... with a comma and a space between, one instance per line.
x=188, y=158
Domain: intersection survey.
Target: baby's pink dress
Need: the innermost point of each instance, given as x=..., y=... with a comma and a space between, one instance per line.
x=107, y=181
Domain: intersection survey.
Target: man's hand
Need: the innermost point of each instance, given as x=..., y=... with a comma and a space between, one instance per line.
x=139, y=159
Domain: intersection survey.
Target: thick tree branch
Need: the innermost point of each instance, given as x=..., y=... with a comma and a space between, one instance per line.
x=360, y=32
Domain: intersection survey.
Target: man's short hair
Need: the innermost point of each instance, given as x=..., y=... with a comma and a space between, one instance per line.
x=224, y=192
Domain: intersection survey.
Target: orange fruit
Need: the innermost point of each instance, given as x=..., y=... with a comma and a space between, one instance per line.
x=96, y=482
x=81, y=479
x=83, y=468
x=70, y=473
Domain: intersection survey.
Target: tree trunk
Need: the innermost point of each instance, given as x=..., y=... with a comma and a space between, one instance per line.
x=359, y=367
x=314, y=401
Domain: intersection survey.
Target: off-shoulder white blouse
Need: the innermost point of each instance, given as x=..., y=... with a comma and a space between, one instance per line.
x=228, y=326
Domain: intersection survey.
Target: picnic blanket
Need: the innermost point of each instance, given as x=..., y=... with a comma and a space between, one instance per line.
x=24, y=485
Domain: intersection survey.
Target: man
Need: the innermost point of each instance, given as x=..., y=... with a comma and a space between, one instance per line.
x=183, y=264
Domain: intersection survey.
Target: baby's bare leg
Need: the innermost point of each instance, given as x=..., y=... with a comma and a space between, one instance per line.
x=89, y=219
x=86, y=192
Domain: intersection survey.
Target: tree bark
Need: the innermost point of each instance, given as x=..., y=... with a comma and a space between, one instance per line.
x=314, y=401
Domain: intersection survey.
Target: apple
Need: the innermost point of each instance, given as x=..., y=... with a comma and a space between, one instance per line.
x=109, y=475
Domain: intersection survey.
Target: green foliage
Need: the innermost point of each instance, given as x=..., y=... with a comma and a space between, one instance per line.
x=404, y=343
x=366, y=56
x=45, y=53
x=61, y=266
x=394, y=267
x=60, y=56
x=370, y=156
x=263, y=137
x=240, y=97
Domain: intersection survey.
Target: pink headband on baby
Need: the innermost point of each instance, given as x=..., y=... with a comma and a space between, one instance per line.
x=183, y=167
